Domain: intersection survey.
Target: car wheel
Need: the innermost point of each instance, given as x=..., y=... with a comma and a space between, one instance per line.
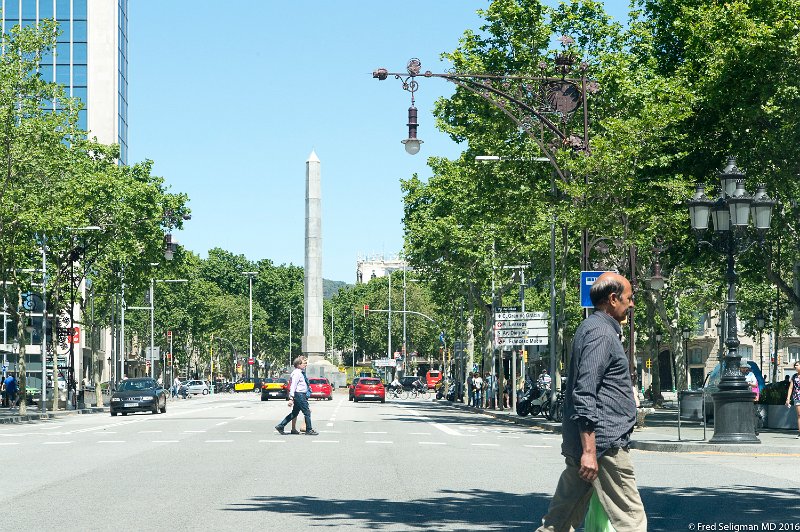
x=355, y=399
x=155, y=408
x=205, y=392
x=114, y=414
x=163, y=409
x=264, y=397
x=383, y=400
x=124, y=413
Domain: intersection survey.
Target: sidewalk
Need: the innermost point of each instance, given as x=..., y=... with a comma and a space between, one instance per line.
x=660, y=434
x=11, y=415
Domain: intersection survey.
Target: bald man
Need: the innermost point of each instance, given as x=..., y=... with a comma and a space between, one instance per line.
x=599, y=415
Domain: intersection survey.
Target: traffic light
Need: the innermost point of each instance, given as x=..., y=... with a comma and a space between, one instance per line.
x=649, y=363
x=366, y=311
x=524, y=355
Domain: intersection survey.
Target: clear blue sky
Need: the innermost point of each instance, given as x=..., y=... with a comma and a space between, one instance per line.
x=229, y=99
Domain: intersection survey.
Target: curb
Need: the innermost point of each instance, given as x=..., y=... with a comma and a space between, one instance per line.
x=49, y=415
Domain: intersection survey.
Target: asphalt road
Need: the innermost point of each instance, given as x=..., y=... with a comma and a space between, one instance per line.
x=216, y=463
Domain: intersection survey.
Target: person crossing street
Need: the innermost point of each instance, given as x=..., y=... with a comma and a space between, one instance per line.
x=299, y=392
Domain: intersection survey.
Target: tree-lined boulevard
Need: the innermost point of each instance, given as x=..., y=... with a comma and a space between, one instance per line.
x=215, y=462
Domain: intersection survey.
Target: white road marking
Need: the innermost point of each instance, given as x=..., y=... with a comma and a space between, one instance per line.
x=432, y=443
x=9, y=443
x=511, y=437
x=56, y=442
x=222, y=423
x=378, y=441
x=486, y=444
x=110, y=441
x=219, y=441
x=446, y=429
x=329, y=424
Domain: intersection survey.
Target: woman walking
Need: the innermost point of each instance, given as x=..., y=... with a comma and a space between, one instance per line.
x=794, y=394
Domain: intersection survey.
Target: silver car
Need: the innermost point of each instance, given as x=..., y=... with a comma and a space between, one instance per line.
x=196, y=387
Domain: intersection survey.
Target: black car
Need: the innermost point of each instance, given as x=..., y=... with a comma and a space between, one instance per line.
x=138, y=395
x=408, y=381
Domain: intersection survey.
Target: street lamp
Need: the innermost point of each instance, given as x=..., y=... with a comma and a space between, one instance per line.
x=731, y=216
x=250, y=351
x=686, y=334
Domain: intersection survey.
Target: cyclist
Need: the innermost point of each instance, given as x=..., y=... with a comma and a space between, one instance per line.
x=544, y=380
x=395, y=385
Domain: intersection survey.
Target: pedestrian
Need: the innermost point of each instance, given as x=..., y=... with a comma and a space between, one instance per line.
x=10, y=385
x=477, y=387
x=176, y=385
x=489, y=390
x=599, y=416
x=470, y=390
x=299, y=392
x=794, y=393
x=752, y=383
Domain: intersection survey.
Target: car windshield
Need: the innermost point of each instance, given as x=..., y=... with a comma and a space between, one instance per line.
x=133, y=385
x=369, y=382
x=318, y=381
x=280, y=381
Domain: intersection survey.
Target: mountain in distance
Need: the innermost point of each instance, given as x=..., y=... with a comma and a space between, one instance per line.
x=329, y=288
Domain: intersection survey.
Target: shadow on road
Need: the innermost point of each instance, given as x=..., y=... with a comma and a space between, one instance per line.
x=668, y=509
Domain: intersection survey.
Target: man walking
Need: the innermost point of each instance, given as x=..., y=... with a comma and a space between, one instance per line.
x=599, y=415
x=299, y=392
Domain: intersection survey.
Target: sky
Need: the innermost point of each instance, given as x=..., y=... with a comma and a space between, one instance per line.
x=230, y=98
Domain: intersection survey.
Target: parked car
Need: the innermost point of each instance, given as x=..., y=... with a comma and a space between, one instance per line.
x=274, y=389
x=408, y=381
x=352, y=387
x=138, y=395
x=432, y=378
x=321, y=389
x=196, y=387
x=369, y=389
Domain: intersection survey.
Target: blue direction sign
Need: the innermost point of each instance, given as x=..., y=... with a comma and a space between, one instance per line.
x=587, y=280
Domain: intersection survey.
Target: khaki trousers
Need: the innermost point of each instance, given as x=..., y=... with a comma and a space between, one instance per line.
x=615, y=486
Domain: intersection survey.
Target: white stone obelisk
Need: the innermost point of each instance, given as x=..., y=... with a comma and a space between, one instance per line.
x=313, y=336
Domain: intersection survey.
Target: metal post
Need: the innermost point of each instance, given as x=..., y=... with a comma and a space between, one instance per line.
x=354, y=342
x=290, y=337
x=389, y=336
x=121, y=350
x=152, y=329
x=43, y=395
x=403, y=352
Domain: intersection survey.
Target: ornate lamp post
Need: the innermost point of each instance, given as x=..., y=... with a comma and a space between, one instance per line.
x=731, y=212
x=760, y=322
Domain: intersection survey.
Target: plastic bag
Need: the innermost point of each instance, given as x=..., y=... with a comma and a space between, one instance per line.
x=596, y=517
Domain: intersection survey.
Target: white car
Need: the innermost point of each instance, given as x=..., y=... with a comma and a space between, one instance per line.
x=196, y=387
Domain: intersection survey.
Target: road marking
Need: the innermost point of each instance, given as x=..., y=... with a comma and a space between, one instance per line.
x=271, y=441
x=325, y=441
x=432, y=443
x=486, y=444
x=110, y=441
x=538, y=446
x=446, y=429
x=9, y=443
x=219, y=441
x=222, y=423
x=329, y=424
x=378, y=441
x=510, y=437
x=164, y=441
x=148, y=431
x=55, y=442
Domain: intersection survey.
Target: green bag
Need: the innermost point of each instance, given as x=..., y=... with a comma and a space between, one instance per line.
x=596, y=517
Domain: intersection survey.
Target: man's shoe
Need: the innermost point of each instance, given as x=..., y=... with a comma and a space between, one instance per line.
x=279, y=429
x=295, y=432
x=311, y=432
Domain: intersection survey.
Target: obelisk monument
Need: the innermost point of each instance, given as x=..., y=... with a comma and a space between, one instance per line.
x=313, y=336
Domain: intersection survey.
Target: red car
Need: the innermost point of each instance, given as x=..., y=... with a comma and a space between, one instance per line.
x=369, y=389
x=321, y=389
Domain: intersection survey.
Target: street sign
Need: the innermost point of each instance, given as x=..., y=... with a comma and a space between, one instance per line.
x=384, y=363
x=538, y=340
x=251, y=361
x=587, y=280
x=519, y=316
x=506, y=309
x=156, y=354
x=75, y=337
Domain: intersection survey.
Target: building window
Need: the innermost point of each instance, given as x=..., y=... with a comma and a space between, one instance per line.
x=696, y=355
x=702, y=320
x=794, y=354
x=746, y=351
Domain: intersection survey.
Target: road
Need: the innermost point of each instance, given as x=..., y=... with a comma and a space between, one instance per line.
x=216, y=463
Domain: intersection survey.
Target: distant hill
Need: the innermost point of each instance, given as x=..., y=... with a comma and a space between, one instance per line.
x=329, y=288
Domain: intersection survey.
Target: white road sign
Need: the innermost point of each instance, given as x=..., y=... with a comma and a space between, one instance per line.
x=539, y=340
x=519, y=316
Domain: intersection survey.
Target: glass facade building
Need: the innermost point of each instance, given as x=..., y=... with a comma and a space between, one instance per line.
x=83, y=61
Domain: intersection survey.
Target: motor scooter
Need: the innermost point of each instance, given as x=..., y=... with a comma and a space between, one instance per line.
x=531, y=400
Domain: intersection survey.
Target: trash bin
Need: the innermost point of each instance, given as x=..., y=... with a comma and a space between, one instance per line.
x=691, y=405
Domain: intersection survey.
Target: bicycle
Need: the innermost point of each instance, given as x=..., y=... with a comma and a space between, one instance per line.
x=555, y=411
x=419, y=392
x=398, y=393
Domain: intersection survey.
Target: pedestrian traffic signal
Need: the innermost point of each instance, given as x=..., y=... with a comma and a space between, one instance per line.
x=649, y=363
x=366, y=311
